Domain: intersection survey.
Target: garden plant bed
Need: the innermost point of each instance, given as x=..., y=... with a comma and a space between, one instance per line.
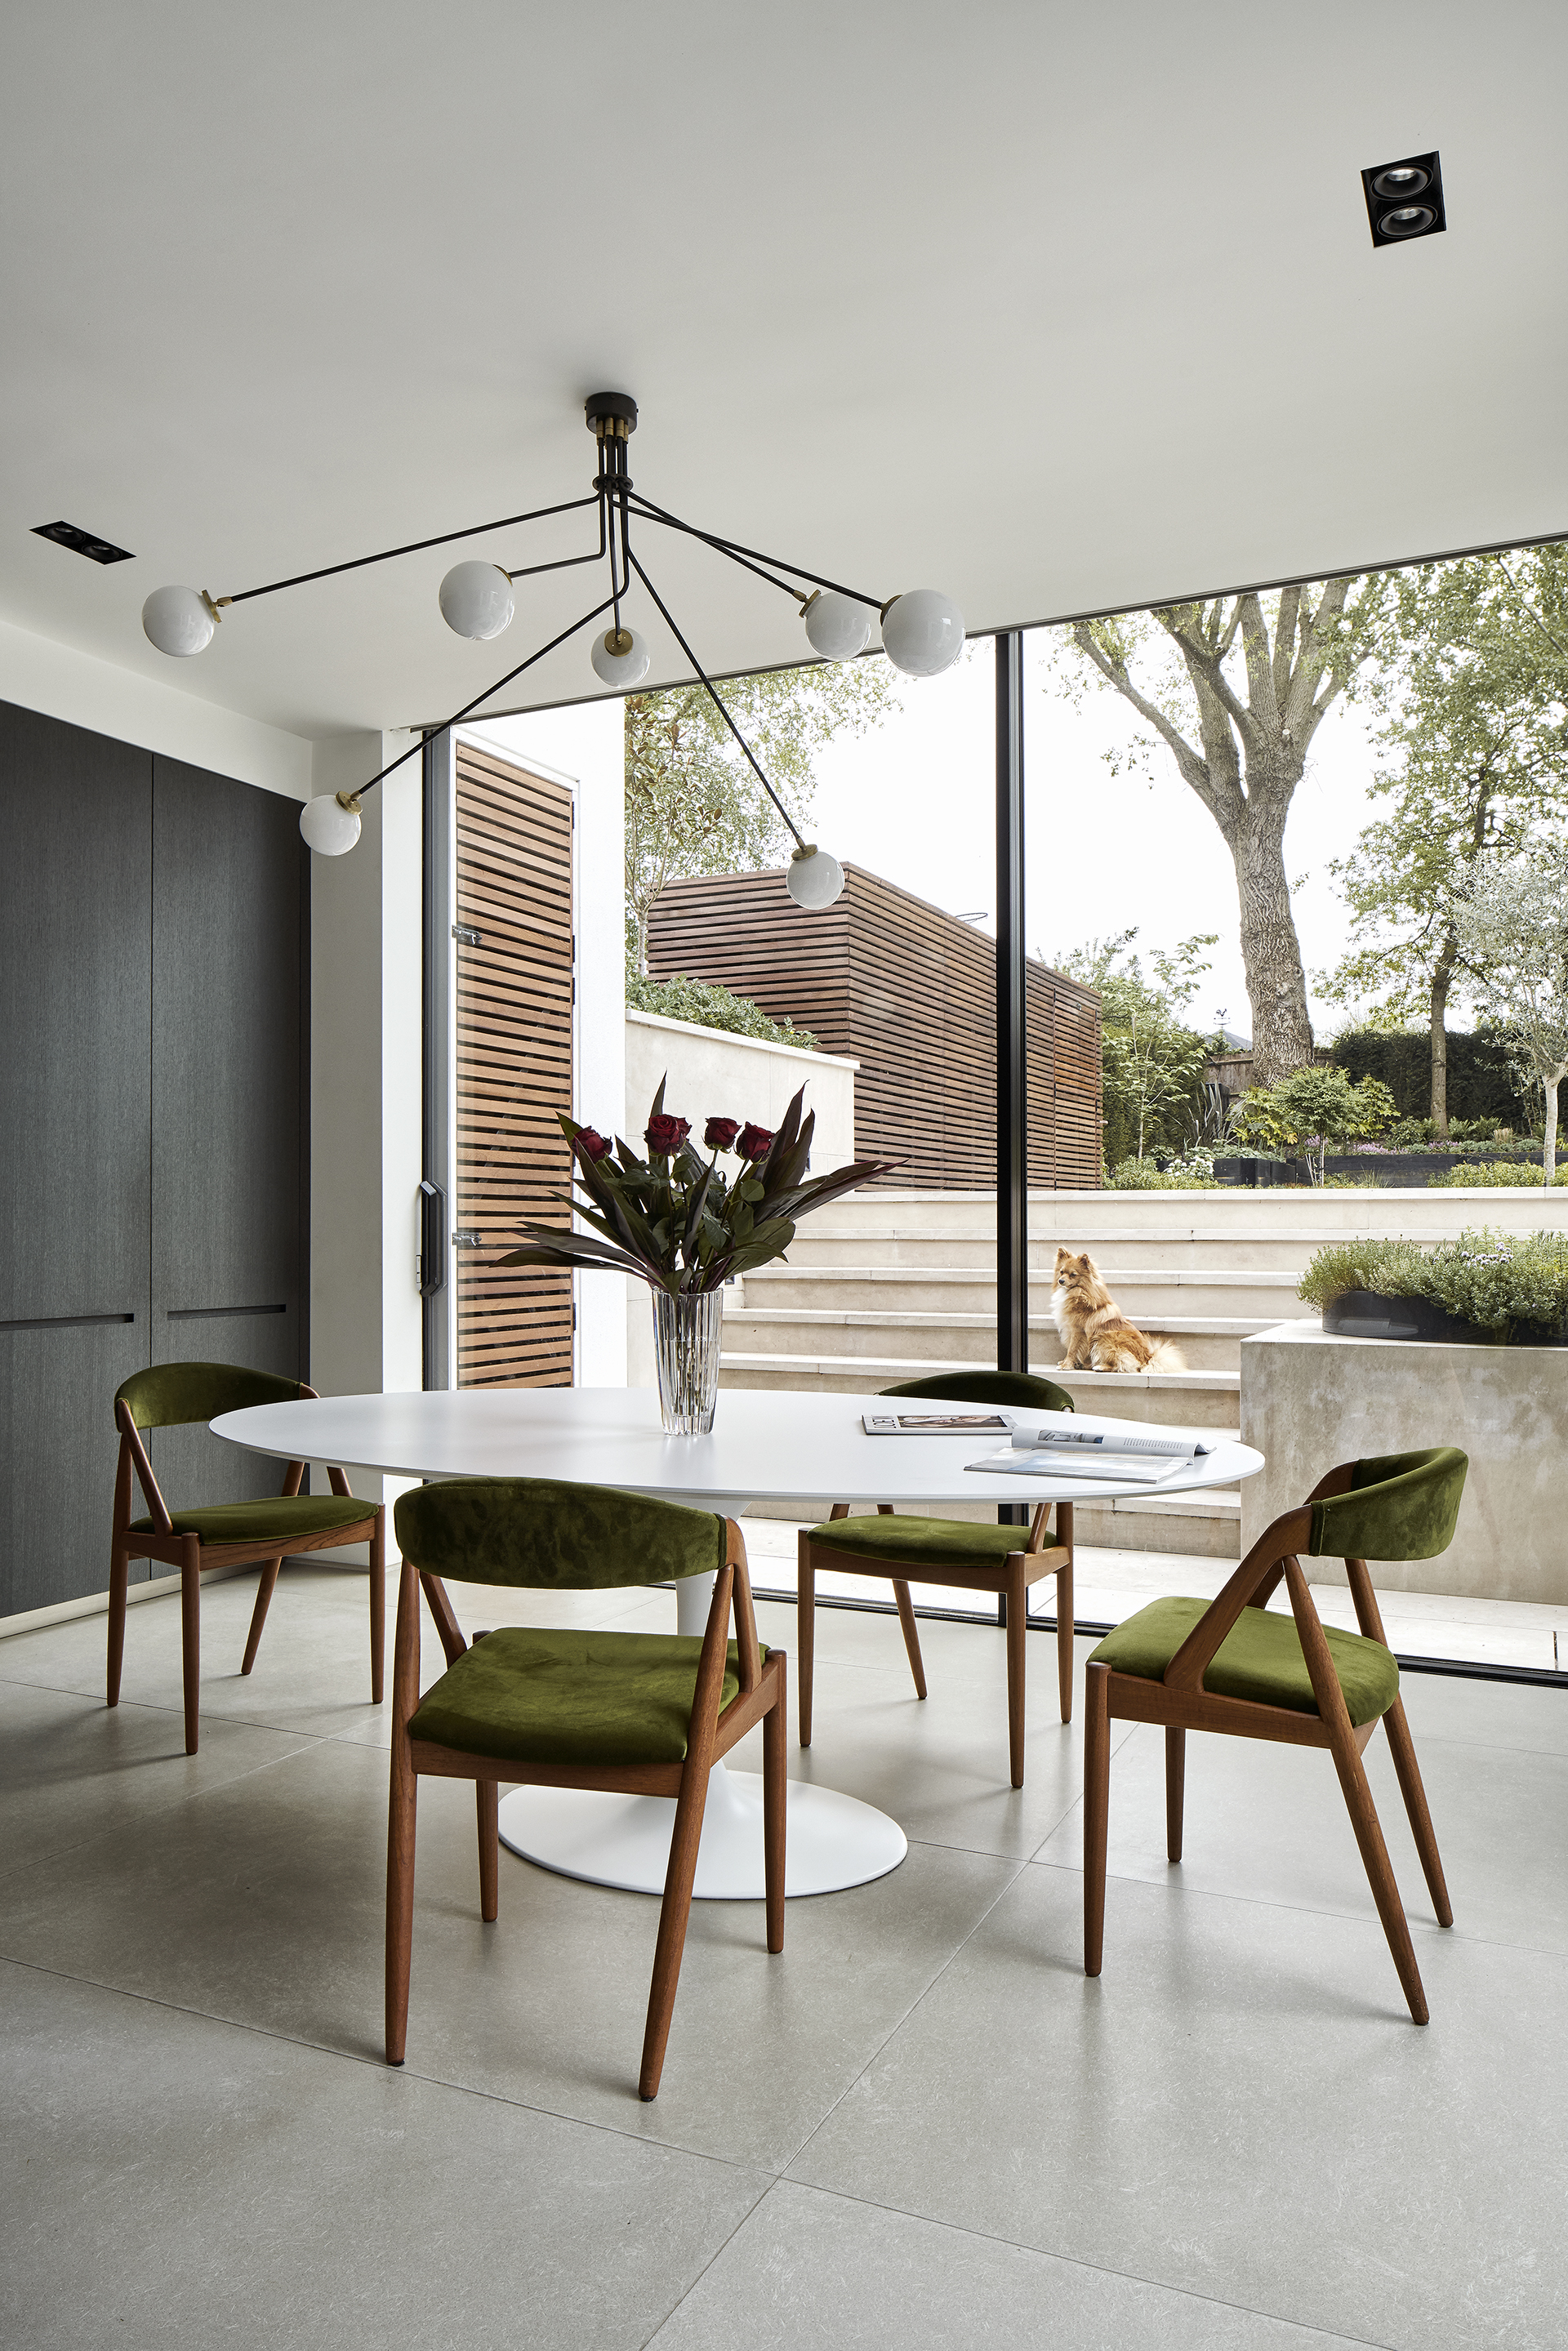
x=1486, y=1288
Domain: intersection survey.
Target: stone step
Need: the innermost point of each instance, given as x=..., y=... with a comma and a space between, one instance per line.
x=1198, y=1400
x=1209, y=1245
x=1202, y=1525
x=972, y=1289
x=1206, y=1343
x=1062, y=1216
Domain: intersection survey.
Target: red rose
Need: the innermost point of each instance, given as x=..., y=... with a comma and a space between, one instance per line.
x=664, y=1135
x=720, y=1133
x=755, y=1141
x=591, y=1143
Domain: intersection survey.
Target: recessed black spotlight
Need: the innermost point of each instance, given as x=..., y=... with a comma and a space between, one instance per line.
x=1404, y=199
x=83, y=542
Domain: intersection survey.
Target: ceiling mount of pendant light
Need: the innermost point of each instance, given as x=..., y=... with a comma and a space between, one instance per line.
x=922, y=630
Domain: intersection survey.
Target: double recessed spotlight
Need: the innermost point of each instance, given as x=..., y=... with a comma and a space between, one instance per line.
x=1405, y=200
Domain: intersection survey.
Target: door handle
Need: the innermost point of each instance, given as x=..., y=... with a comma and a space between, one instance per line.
x=431, y=1239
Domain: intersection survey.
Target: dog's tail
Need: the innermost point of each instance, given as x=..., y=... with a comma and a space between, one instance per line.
x=1168, y=1357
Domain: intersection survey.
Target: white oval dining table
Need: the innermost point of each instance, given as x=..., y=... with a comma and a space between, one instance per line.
x=766, y=1446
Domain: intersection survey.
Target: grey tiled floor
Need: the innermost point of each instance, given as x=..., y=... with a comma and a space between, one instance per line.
x=919, y=2125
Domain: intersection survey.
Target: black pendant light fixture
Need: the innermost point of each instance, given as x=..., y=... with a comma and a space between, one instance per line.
x=922, y=630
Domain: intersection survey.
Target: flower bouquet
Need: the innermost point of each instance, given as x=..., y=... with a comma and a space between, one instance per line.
x=683, y=1224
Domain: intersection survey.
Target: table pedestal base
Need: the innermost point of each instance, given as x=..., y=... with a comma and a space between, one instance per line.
x=832, y=1841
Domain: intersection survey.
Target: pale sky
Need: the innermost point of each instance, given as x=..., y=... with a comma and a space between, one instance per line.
x=915, y=799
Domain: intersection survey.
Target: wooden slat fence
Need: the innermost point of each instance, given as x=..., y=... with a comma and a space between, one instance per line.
x=910, y=992
x=514, y=1065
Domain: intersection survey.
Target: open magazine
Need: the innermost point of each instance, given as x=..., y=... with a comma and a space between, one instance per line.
x=1068, y=1445
x=934, y=1424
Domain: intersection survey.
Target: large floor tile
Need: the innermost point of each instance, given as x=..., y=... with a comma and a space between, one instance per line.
x=1269, y=1823
x=263, y=1904
x=1492, y=1714
x=173, y=2182
x=1239, y=2108
x=809, y=2271
x=938, y=1765
x=72, y=1769
x=312, y=1674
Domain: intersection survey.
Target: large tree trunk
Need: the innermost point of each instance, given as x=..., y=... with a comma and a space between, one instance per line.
x=1270, y=951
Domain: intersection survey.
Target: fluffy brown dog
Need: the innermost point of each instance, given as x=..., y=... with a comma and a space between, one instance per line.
x=1095, y=1333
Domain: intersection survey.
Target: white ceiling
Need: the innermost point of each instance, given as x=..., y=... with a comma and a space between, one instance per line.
x=1059, y=308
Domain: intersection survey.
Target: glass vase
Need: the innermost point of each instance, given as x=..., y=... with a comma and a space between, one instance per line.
x=687, y=1334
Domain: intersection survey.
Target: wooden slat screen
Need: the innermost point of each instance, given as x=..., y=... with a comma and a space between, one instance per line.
x=910, y=992
x=513, y=1066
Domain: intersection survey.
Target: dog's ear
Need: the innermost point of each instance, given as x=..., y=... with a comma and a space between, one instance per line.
x=1086, y=1263
x=1062, y=1258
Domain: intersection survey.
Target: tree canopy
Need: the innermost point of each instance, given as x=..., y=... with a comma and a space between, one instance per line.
x=692, y=805
x=1472, y=764
x=1235, y=688
x=1512, y=922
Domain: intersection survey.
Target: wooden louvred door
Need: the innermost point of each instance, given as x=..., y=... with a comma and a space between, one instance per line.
x=514, y=1070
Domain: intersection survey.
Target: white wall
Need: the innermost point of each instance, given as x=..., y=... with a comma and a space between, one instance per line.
x=42, y=674
x=583, y=746
x=366, y=918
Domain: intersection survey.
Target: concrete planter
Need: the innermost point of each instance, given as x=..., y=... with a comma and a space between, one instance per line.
x=1311, y=1398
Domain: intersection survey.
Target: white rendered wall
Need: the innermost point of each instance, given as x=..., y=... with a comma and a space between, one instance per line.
x=366, y=927
x=583, y=745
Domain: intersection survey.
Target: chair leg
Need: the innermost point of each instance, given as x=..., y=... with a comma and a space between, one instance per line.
x=911, y=1634
x=1175, y=1790
x=1018, y=1634
x=191, y=1635
x=1064, y=1638
x=675, y=1911
x=401, y=1822
x=1096, y=1810
x=1415, y=1796
x=805, y=1635
x=118, y=1583
x=1379, y=1869
x=487, y=1794
x=377, y=1606
x=264, y=1592
x=775, y=1799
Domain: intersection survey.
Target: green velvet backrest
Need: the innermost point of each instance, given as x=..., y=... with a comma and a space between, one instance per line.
x=166, y=1395
x=1399, y=1506
x=1019, y=1389
x=540, y=1532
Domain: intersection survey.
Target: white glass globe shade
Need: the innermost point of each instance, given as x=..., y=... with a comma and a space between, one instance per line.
x=330, y=829
x=923, y=633
x=477, y=600
x=837, y=627
x=816, y=878
x=177, y=621
x=622, y=669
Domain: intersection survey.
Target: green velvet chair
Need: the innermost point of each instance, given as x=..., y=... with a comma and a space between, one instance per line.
x=1235, y=1666
x=967, y=1558
x=644, y=1714
x=224, y=1534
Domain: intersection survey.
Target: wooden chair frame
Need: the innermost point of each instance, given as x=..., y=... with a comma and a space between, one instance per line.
x=1181, y=1703
x=713, y=1731
x=1010, y=1576
x=194, y=1559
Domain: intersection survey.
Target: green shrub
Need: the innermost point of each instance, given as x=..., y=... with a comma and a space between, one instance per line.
x=1495, y=1175
x=711, y=1007
x=1493, y=1278
x=1143, y=1175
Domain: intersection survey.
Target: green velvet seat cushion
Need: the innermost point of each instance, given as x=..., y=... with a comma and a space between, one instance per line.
x=570, y=1697
x=1261, y=1658
x=923, y=1542
x=282, y=1519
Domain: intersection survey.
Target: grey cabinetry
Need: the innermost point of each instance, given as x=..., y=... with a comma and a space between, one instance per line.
x=229, y=991
x=76, y=972
x=152, y=1149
